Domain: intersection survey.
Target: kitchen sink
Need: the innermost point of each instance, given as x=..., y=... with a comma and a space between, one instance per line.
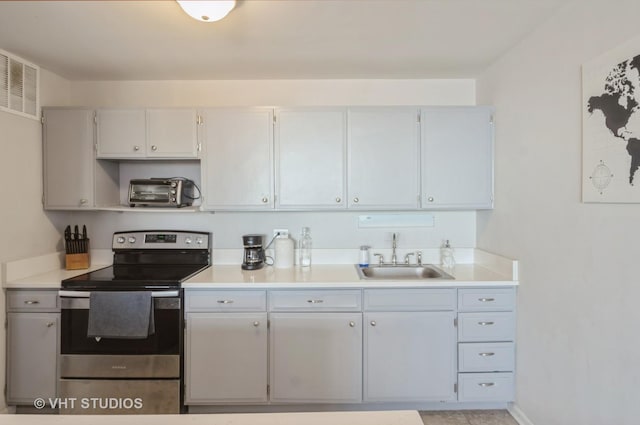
x=401, y=272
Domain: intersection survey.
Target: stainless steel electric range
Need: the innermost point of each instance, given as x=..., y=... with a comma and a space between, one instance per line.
x=121, y=337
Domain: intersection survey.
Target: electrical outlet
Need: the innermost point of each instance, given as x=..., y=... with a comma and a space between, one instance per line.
x=281, y=232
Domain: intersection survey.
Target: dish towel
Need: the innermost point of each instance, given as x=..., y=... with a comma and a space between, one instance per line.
x=125, y=315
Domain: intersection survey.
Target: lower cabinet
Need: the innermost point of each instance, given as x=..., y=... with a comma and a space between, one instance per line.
x=386, y=345
x=316, y=357
x=32, y=346
x=409, y=356
x=226, y=358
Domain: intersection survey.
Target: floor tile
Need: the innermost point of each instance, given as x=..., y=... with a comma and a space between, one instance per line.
x=489, y=417
x=447, y=417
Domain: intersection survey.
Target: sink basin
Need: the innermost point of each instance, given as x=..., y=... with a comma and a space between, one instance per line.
x=402, y=272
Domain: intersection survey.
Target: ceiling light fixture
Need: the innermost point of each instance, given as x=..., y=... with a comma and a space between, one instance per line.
x=207, y=11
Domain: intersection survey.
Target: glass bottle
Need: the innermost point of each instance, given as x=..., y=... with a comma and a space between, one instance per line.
x=305, y=247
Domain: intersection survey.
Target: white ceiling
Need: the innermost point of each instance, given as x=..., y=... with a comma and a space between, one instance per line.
x=268, y=39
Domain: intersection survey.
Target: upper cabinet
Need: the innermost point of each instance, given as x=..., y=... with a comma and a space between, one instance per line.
x=237, y=162
x=72, y=178
x=147, y=133
x=383, y=158
x=310, y=158
x=457, y=157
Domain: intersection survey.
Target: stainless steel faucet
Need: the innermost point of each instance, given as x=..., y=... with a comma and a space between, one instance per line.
x=394, y=258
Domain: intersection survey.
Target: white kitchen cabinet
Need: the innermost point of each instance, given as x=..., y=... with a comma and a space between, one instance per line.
x=226, y=358
x=409, y=345
x=73, y=179
x=147, y=133
x=316, y=357
x=383, y=158
x=310, y=155
x=457, y=157
x=237, y=167
x=32, y=346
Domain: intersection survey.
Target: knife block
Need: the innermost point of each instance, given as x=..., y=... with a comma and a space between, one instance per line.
x=78, y=261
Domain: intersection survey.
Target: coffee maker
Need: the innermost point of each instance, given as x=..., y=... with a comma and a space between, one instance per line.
x=253, y=252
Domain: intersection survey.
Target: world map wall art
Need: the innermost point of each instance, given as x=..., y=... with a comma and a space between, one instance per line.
x=611, y=126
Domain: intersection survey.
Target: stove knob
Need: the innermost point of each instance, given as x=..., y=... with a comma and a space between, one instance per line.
x=199, y=241
x=132, y=240
x=120, y=239
x=187, y=240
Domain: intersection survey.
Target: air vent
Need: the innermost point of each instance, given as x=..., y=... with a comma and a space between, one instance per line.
x=19, y=92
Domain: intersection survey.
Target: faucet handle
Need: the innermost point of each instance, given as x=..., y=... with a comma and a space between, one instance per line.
x=419, y=258
x=380, y=259
x=406, y=258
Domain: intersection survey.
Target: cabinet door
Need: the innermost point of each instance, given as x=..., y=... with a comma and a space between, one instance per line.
x=383, y=158
x=457, y=157
x=68, y=158
x=237, y=164
x=409, y=356
x=226, y=358
x=32, y=349
x=172, y=133
x=311, y=158
x=121, y=133
x=316, y=357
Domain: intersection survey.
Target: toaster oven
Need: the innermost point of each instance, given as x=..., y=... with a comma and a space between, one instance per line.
x=157, y=192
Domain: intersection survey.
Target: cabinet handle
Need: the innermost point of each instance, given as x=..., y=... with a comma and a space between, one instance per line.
x=486, y=354
x=338, y=199
x=136, y=148
x=486, y=300
x=352, y=324
x=154, y=148
x=256, y=324
x=373, y=323
x=315, y=301
x=265, y=200
x=430, y=199
x=50, y=324
x=225, y=301
x=83, y=201
x=486, y=384
x=31, y=302
x=485, y=323
x=356, y=200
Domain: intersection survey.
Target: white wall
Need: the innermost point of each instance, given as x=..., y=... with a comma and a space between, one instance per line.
x=578, y=345
x=25, y=228
x=330, y=230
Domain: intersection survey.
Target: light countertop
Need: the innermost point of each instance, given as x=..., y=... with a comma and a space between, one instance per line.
x=403, y=417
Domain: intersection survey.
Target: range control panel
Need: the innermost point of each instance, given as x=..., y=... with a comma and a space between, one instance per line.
x=161, y=239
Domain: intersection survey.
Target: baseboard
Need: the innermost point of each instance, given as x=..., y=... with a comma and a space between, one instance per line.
x=518, y=414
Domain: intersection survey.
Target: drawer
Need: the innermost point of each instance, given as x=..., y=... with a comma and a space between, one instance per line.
x=32, y=300
x=316, y=300
x=485, y=387
x=486, y=327
x=214, y=300
x=486, y=357
x=488, y=299
x=409, y=299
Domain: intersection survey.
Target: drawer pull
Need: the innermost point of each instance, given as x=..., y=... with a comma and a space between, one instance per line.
x=373, y=323
x=32, y=302
x=352, y=324
x=486, y=384
x=49, y=324
x=256, y=324
x=486, y=354
x=315, y=301
x=225, y=301
x=486, y=300
x=485, y=323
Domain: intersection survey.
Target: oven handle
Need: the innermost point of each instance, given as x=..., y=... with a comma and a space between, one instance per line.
x=85, y=294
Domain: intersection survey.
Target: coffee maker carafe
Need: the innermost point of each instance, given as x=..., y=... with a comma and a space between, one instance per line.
x=253, y=252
